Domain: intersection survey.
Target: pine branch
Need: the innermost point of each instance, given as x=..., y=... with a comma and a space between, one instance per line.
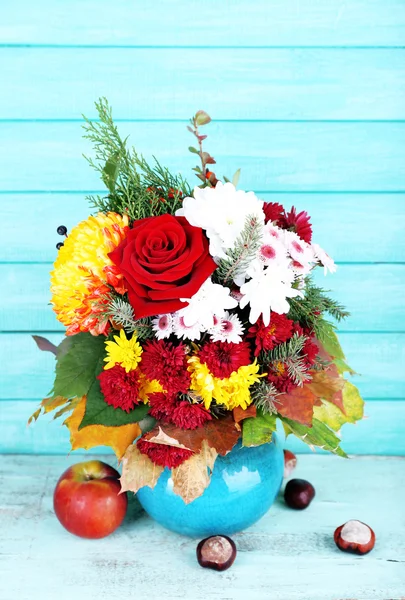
x=239, y=257
x=264, y=396
x=289, y=354
x=134, y=187
x=122, y=313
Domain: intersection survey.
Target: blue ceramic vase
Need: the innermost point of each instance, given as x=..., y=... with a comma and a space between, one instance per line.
x=243, y=486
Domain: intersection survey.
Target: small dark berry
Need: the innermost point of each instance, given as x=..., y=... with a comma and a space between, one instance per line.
x=299, y=493
x=216, y=552
x=61, y=230
x=59, y=245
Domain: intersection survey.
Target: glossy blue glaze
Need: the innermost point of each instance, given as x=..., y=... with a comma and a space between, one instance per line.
x=243, y=486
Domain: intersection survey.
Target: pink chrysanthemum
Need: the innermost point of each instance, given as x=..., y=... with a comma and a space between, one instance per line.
x=168, y=364
x=223, y=358
x=120, y=389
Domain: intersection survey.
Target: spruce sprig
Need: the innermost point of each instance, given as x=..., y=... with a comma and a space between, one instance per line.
x=264, y=396
x=135, y=188
x=243, y=252
x=122, y=313
x=289, y=353
x=309, y=310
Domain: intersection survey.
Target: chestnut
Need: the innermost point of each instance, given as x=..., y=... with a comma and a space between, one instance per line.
x=299, y=493
x=216, y=552
x=355, y=537
x=290, y=462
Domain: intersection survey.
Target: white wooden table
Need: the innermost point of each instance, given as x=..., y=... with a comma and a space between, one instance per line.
x=288, y=555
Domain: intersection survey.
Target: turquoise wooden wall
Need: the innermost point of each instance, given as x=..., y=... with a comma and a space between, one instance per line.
x=308, y=97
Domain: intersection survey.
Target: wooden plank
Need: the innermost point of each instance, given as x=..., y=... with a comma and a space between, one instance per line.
x=274, y=156
x=378, y=357
x=289, y=84
x=345, y=224
x=181, y=23
x=381, y=432
x=373, y=294
x=286, y=555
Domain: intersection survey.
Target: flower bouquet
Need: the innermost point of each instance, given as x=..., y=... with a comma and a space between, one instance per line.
x=193, y=324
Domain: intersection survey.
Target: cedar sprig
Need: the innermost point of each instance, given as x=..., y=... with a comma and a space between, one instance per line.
x=243, y=252
x=135, y=188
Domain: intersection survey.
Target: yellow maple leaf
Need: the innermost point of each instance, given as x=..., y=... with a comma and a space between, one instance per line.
x=118, y=438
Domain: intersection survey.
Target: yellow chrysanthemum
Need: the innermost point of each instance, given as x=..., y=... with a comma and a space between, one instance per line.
x=231, y=391
x=82, y=270
x=123, y=351
x=147, y=387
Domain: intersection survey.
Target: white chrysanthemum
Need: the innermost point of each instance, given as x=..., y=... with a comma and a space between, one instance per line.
x=222, y=212
x=211, y=300
x=229, y=329
x=268, y=291
x=300, y=251
x=326, y=261
x=162, y=325
x=183, y=331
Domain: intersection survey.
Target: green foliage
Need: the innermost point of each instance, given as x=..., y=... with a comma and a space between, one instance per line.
x=318, y=435
x=241, y=255
x=333, y=417
x=330, y=342
x=98, y=412
x=77, y=359
x=258, y=430
x=309, y=310
x=135, y=188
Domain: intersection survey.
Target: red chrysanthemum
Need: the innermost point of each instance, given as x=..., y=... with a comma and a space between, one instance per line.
x=299, y=223
x=164, y=455
x=120, y=389
x=189, y=416
x=310, y=352
x=266, y=337
x=161, y=406
x=223, y=358
x=279, y=377
x=273, y=212
x=168, y=364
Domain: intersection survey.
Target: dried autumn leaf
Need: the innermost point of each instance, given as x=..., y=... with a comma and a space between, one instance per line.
x=50, y=404
x=328, y=385
x=297, y=405
x=44, y=344
x=138, y=470
x=239, y=413
x=220, y=434
x=34, y=415
x=162, y=438
x=193, y=476
x=119, y=438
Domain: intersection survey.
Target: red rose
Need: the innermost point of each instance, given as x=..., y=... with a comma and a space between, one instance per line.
x=162, y=260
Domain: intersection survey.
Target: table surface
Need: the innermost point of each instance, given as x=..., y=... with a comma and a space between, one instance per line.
x=287, y=555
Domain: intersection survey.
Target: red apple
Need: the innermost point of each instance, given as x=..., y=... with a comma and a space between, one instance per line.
x=87, y=499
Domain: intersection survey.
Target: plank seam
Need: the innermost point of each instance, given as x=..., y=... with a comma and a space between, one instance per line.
x=347, y=47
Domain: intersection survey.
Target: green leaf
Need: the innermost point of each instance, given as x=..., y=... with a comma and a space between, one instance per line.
x=110, y=172
x=98, y=412
x=317, y=435
x=193, y=150
x=235, y=178
x=343, y=367
x=76, y=364
x=226, y=179
x=330, y=342
x=258, y=430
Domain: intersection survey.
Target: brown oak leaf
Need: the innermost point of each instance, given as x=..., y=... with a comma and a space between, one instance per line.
x=220, y=434
x=193, y=476
x=239, y=413
x=138, y=470
x=297, y=405
x=328, y=385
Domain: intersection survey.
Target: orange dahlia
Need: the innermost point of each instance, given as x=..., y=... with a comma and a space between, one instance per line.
x=83, y=271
